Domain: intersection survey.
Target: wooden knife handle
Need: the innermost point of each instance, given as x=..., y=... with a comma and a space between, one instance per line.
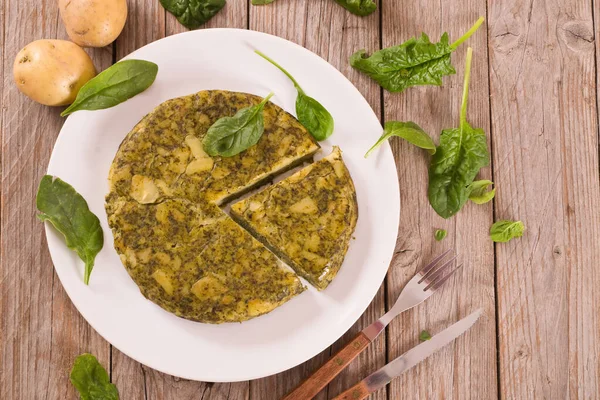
x=318, y=380
x=356, y=392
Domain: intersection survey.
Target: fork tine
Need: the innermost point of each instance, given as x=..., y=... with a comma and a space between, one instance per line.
x=432, y=264
x=435, y=272
x=436, y=285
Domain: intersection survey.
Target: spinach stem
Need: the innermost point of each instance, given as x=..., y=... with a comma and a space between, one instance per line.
x=264, y=101
x=88, y=271
x=258, y=108
x=467, y=35
x=263, y=55
x=376, y=145
x=465, y=96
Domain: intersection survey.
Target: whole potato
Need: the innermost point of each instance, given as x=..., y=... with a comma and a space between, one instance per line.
x=51, y=72
x=93, y=23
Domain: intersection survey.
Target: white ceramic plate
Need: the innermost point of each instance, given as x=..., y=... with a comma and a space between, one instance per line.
x=294, y=332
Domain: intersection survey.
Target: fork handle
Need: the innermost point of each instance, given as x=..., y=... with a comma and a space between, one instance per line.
x=321, y=377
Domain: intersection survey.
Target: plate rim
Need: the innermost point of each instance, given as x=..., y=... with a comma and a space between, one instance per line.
x=385, y=148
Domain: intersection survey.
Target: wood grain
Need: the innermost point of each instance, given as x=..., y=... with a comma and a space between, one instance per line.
x=41, y=332
x=545, y=129
x=330, y=369
x=145, y=24
x=533, y=90
x=467, y=368
x=331, y=32
x=233, y=15
x=136, y=381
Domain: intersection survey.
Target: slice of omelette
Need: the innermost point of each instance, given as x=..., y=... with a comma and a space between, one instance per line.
x=199, y=268
x=307, y=219
x=162, y=157
x=184, y=253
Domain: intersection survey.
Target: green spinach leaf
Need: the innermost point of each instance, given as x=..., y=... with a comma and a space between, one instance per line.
x=460, y=155
x=68, y=211
x=229, y=136
x=414, y=62
x=91, y=380
x=358, y=7
x=193, y=13
x=315, y=118
x=114, y=85
x=408, y=131
x=261, y=2
x=424, y=336
x=478, y=192
x=440, y=234
x=503, y=231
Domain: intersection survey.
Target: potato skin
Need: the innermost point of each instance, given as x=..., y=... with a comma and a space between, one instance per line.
x=51, y=72
x=93, y=23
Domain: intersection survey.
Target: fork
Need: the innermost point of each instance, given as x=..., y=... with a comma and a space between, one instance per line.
x=425, y=282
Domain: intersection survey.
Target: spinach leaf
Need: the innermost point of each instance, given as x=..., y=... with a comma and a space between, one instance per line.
x=409, y=131
x=193, y=13
x=91, y=380
x=440, y=234
x=358, y=7
x=68, y=211
x=460, y=155
x=503, y=231
x=315, y=118
x=478, y=192
x=261, y=2
x=424, y=336
x=229, y=136
x=114, y=85
x=414, y=62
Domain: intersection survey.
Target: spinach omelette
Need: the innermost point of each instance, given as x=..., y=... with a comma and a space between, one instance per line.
x=180, y=248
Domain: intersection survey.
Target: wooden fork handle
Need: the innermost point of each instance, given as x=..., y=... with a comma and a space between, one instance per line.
x=356, y=392
x=319, y=379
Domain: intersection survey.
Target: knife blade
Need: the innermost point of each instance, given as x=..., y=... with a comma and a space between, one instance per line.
x=412, y=357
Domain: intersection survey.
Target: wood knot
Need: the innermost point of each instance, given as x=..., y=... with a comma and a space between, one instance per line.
x=577, y=35
x=506, y=40
x=521, y=353
x=407, y=249
x=557, y=251
x=506, y=36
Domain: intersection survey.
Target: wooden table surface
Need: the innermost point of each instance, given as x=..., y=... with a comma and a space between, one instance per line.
x=533, y=91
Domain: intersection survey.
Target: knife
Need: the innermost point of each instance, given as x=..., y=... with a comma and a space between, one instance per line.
x=384, y=375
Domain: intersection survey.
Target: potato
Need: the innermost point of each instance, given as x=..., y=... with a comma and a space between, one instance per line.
x=51, y=72
x=93, y=23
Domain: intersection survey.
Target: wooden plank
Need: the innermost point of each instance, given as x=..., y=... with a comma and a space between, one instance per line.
x=165, y=387
x=145, y=24
x=134, y=380
x=371, y=359
x=467, y=367
x=41, y=332
x=3, y=82
x=233, y=15
x=545, y=128
x=6, y=80
x=333, y=33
